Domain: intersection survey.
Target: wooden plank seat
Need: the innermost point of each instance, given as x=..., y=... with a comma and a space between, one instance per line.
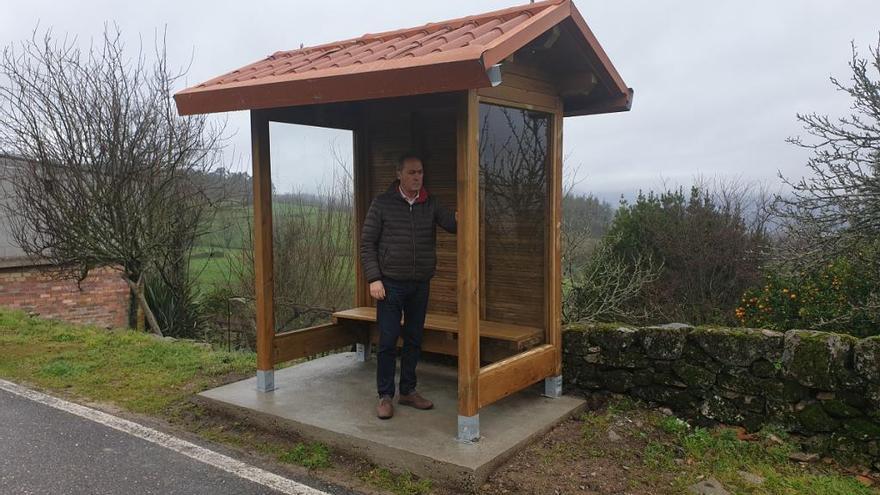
x=497, y=340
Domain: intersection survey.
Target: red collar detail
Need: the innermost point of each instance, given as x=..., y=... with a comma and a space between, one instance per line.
x=423, y=195
x=421, y=198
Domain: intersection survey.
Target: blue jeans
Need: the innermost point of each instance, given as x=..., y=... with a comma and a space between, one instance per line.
x=409, y=299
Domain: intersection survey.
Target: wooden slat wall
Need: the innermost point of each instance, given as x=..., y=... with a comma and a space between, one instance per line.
x=429, y=131
x=514, y=285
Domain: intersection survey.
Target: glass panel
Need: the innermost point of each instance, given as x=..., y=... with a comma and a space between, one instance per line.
x=514, y=152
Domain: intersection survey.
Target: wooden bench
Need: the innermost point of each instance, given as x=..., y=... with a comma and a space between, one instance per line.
x=497, y=340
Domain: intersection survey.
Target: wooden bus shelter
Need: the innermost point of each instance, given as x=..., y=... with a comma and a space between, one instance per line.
x=482, y=100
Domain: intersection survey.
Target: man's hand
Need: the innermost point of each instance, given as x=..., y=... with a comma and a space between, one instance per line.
x=377, y=290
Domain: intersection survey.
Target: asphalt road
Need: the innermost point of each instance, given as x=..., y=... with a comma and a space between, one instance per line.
x=44, y=450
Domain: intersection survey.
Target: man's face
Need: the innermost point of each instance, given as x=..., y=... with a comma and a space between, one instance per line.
x=411, y=176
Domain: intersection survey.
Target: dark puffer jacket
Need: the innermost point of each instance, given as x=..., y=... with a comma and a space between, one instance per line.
x=398, y=240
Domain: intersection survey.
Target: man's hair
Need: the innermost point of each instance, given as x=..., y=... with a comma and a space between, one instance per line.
x=407, y=156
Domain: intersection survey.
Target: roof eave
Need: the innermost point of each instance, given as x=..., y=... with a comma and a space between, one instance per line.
x=621, y=96
x=403, y=81
x=620, y=103
x=606, y=73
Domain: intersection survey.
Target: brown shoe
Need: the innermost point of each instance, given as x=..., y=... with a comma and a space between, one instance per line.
x=415, y=400
x=385, y=409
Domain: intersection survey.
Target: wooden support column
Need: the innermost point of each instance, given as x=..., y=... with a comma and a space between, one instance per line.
x=554, y=265
x=553, y=384
x=468, y=241
x=263, y=266
x=361, y=202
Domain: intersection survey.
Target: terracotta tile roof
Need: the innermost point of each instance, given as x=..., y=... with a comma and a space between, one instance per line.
x=442, y=56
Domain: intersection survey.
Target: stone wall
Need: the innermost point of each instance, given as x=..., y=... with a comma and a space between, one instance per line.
x=823, y=385
x=101, y=299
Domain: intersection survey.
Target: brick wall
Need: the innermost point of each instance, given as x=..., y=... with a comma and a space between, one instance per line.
x=102, y=299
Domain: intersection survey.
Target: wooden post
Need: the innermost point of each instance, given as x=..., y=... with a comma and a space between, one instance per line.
x=263, y=266
x=361, y=203
x=553, y=384
x=468, y=241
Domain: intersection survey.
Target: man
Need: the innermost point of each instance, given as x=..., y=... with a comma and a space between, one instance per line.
x=398, y=255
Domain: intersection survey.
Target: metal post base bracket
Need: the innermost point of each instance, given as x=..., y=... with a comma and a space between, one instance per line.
x=469, y=428
x=553, y=386
x=363, y=352
x=265, y=380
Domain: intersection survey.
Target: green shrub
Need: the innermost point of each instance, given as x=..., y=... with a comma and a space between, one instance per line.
x=840, y=296
x=709, y=250
x=176, y=304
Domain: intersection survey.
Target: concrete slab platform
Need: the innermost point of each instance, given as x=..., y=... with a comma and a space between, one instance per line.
x=332, y=399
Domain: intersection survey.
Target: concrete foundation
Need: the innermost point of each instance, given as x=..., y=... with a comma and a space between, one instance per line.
x=333, y=400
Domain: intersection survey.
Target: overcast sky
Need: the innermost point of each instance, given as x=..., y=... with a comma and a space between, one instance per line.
x=717, y=84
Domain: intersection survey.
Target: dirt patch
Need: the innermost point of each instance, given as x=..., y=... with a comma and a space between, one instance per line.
x=593, y=454
x=619, y=446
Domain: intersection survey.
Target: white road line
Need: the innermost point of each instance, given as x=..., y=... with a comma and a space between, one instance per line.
x=188, y=449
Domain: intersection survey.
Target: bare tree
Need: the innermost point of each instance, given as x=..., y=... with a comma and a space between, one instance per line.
x=606, y=287
x=112, y=174
x=312, y=251
x=837, y=208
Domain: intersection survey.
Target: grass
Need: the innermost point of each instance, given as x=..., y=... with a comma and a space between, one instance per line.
x=212, y=266
x=151, y=376
x=671, y=448
x=311, y=455
x=133, y=370
x=212, y=257
x=721, y=453
x=399, y=484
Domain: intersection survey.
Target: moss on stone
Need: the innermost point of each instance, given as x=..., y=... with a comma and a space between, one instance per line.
x=852, y=398
x=840, y=409
x=817, y=359
x=664, y=342
x=739, y=346
x=793, y=391
x=618, y=381
x=662, y=366
x=730, y=410
x=631, y=359
x=862, y=429
x=643, y=377
x=746, y=376
x=586, y=327
x=668, y=379
x=676, y=398
x=764, y=368
x=866, y=356
x=695, y=355
x=582, y=375
x=694, y=376
x=741, y=381
x=576, y=343
x=814, y=418
x=613, y=339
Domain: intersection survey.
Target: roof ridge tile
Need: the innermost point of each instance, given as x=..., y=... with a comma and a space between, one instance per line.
x=531, y=8
x=435, y=57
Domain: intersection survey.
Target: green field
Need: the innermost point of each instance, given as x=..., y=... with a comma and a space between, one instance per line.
x=214, y=259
